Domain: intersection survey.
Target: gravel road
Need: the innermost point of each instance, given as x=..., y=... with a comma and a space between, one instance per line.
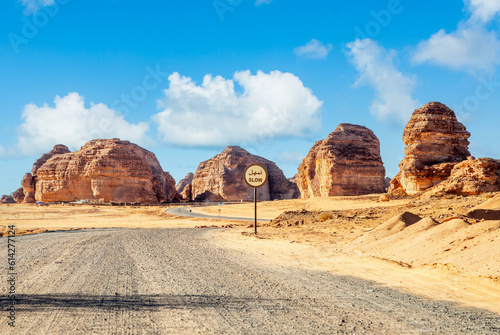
x=187, y=212
x=176, y=281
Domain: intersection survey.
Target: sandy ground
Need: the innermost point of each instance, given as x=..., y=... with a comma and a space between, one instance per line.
x=440, y=255
x=178, y=281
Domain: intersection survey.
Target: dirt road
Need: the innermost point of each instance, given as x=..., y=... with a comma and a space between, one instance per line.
x=176, y=281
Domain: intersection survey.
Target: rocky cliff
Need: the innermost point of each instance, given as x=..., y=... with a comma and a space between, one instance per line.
x=18, y=195
x=58, y=149
x=184, y=186
x=102, y=170
x=222, y=178
x=346, y=163
x=435, y=141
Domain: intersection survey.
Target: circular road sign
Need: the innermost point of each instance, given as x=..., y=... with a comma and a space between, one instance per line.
x=255, y=175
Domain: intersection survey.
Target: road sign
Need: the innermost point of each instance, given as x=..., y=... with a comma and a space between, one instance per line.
x=255, y=175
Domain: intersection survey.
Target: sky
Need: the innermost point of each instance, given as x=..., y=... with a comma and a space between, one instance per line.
x=185, y=79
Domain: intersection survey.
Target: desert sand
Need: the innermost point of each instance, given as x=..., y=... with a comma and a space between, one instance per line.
x=424, y=245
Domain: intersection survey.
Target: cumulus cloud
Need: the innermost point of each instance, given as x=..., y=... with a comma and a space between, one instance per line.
x=483, y=10
x=377, y=69
x=71, y=123
x=33, y=6
x=471, y=47
x=270, y=105
x=314, y=49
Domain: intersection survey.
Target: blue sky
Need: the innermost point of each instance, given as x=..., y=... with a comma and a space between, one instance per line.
x=184, y=79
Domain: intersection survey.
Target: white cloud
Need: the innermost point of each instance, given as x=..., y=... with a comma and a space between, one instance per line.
x=260, y=2
x=270, y=105
x=483, y=10
x=377, y=69
x=314, y=49
x=471, y=47
x=468, y=48
x=33, y=6
x=3, y=152
x=69, y=122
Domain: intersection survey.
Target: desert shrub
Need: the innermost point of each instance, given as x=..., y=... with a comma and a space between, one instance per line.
x=325, y=216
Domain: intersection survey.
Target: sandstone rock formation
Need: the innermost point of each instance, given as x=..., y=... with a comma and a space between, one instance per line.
x=346, y=163
x=184, y=186
x=435, y=141
x=470, y=177
x=29, y=180
x=222, y=178
x=170, y=190
x=7, y=199
x=28, y=184
x=18, y=195
x=103, y=170
x=59, y=149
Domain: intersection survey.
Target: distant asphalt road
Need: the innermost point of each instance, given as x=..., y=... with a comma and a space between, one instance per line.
x=186, y=211
x=178, y=281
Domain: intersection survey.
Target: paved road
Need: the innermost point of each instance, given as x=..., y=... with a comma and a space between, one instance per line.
x=185, y=211
x=176, y=281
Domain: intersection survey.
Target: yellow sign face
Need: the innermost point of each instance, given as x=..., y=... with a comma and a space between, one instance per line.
x=255, y=175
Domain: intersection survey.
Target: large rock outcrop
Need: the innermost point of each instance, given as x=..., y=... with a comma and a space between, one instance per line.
x=470, y=177
x=28, y=184
x=7, y=199
x=435, y=142
x=346, y=163
x=59, y=149
x=185, y=185
x=18, y=195
x=222, y=177
x=104, y=170
x=29, y=181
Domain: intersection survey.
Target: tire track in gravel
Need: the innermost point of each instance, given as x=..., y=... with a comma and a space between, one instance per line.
x=175, y=281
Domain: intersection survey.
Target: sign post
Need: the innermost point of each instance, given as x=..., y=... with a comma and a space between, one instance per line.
x=255, y=176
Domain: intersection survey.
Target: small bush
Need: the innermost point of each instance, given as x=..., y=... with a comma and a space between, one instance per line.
x=325, y=216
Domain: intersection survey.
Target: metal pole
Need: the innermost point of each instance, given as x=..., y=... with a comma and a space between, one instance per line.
x=255, y=203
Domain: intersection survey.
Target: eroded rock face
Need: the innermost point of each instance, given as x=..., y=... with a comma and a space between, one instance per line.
x=222, y=178
x=346, y=163
x=18, y=195
x=470, y=177
x=435, y=141
x=170, y=190
x=184, y=186
x=104, y=170
x=7, y=199
x=28, y=184
x=58, y=149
